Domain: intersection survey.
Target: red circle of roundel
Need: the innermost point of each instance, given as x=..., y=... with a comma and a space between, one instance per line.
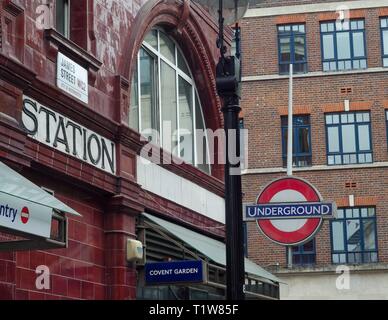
x=308, y=229
x=25, y=215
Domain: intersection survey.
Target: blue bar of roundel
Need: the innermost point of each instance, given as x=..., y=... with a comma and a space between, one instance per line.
x=171, y=272
x=288, y=210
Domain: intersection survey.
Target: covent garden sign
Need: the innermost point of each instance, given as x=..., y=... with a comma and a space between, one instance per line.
x=61, y=133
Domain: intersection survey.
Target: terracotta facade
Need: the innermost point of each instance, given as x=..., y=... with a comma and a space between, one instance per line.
x=105, y=37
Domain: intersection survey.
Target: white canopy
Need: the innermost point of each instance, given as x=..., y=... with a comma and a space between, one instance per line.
x=24, y=206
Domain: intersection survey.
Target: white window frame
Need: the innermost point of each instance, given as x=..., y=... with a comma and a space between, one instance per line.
x=178, y=73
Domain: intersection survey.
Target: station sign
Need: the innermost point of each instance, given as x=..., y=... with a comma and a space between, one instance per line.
x=289, y=211
x=72, y=78
x=173, y=272
x=61, y=133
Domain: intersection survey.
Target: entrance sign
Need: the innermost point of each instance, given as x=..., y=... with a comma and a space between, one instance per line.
x=72, y=78
x=289, y=211
x=24, y=216
x=61, y=133
x=186, y=271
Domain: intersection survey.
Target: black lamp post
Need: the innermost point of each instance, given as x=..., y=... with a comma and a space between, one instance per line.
x=228, y=87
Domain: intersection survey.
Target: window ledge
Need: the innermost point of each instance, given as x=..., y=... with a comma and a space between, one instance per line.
x=367, y=267
x=313, y=74
x=316, y=168
x=59, y=43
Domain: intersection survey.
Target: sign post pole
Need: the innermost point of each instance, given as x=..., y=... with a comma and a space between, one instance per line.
x=290, y=144
x=290, y=124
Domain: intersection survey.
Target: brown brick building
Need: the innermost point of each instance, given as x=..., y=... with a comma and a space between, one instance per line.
x=340, y=78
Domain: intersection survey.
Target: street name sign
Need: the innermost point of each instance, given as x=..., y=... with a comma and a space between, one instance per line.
x=185, y=271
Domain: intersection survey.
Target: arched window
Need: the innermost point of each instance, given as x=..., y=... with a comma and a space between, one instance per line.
x=165, y=107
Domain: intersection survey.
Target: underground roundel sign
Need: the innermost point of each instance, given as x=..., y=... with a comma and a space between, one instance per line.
x=289, y=211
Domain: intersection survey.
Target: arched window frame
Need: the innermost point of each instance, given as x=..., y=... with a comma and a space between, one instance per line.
x=156, y=53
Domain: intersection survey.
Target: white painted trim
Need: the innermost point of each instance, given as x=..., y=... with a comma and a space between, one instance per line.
x=182, y=191
x=313, y=74
x=315, y=168
x=351, y=200
x=311, y=8
x=347, y=105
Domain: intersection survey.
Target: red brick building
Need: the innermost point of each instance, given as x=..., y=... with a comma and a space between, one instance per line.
x=340, y=78
x=78, y=81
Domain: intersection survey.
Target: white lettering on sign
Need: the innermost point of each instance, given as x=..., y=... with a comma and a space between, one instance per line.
x=72, y=78
x=59, y=132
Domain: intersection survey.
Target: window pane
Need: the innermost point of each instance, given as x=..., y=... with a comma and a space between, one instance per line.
x=303, y=140
x=202, y=156
x=343, y=45
x=169, y=108
x=328, y=46
x=186, y=121
x=182, y=64
x=363, y=138
x=285, y=49
x=167, y=47
x=148, y=92
x=333, y=141
x=62, y=17
x=369, y=234
x=309, y=246
x=338, y=236
x=152, y=39
x=385, y=42
x=348, y=138
x=299, y=48
x=353, y=235
x=358, y=44
x=134, y=106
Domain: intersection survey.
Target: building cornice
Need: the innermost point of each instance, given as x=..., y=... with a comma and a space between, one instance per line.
x=314, y=8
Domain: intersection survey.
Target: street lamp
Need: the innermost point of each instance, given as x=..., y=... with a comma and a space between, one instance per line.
x=228, y=87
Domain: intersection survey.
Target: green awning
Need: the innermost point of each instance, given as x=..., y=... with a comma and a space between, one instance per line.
x=215, y=250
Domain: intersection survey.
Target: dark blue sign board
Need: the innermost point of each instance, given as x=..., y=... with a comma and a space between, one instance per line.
x=290, y=210
x=185, y=271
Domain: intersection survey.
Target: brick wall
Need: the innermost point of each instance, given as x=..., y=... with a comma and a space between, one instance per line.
x=265, y=101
